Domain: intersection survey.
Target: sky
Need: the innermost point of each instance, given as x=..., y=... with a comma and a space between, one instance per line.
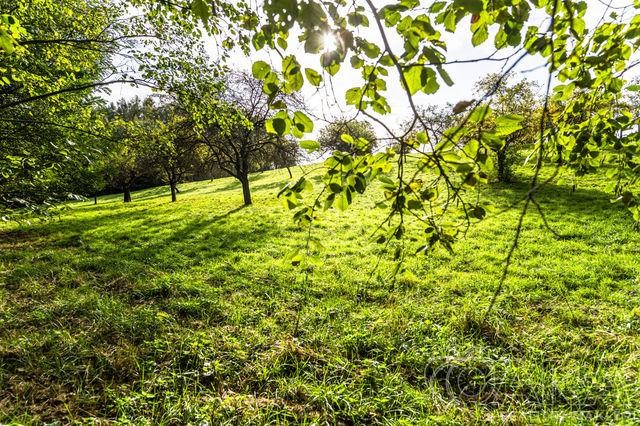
x=328, y=102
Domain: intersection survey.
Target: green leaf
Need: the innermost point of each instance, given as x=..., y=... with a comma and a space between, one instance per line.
x=414, y=205
x=421, y=78
x=201, y=9
x=413, y=77
x=353, y=96
x=335, y=188
x=453, y=158
x=356, y=62
x=302, y=122
x=329, y=58
x=291, y=73
x=430, y=85
x=314, y=42
x=478, y=212
x=309, y=145
x=471, y=180
x=507, y=124
x=386, y=180
x=313, y=76
x=312, y=14
x=480, y=35
x=429, y=194
x=278, y=104
x=480, y=113
x=347, y=139
x=437, y=6
x=372, y=50
x=343, y=200
x=471, y=6
x=260, y=69
x=445, y=76
x=279, y=124
x=295, y=257
x=333, y=68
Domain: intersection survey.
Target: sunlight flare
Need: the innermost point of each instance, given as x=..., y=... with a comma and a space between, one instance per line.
x=330, y=42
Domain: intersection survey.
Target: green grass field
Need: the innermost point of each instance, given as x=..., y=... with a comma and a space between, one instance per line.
x=161, y=313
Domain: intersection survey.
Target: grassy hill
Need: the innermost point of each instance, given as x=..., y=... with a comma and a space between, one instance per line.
x=168, y=313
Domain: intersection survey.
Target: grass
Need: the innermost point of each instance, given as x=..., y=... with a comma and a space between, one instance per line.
x=173, y=313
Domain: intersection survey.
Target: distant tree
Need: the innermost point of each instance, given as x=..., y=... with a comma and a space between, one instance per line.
x=55, y=55
x=133, y=153
x=360, y=137
x=236, y=131
x=279, y=156
x=89, y=178
x=175, y=143
x=505, y=98
x=434, y=121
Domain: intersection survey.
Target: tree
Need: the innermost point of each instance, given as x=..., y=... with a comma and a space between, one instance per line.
x=352, y=136
x=53, y=48
x=238, y=135
x=39, y=158
x=175, y=142
x=64, y=48
x=433, y=122
x=86, y=179
x=504, y=98
x=132, y=155
x=55, y=56
x=46, y=138
x=283, y=155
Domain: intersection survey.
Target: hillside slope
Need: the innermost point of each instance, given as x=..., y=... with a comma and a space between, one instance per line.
x=168, y=313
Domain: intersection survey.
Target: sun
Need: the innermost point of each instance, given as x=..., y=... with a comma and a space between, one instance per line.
x=330, y=42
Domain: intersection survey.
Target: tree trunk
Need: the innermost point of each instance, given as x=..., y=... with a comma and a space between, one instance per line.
x=246, y=192
x=95, y=199
x=174, y=191
x=503, y=167
x=127, y=194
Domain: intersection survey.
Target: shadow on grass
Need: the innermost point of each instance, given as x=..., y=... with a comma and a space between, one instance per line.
x=128, y=244
x=235, y=183
x=269, y=186
x=554, y=198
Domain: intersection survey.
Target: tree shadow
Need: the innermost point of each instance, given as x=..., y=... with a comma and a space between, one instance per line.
x=556, y=198
x=126, y=243
x=569, y=220
x=235, y=183
x=269, y=186
x=17, y=238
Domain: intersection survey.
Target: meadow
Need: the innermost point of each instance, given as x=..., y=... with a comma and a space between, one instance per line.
x=190, y=312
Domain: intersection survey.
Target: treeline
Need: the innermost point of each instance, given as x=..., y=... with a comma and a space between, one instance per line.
x=161, y=141
x=169, y=139
x=138, y=143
